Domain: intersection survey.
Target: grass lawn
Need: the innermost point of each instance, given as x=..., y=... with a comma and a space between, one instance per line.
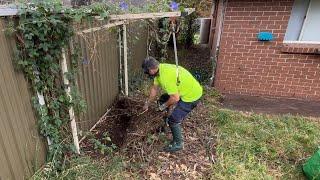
x=262, y=147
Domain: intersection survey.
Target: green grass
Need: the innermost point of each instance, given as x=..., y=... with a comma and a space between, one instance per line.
x=86, y=168
x=263, y=147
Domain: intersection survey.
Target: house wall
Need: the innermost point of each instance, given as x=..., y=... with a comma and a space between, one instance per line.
x=247, y=66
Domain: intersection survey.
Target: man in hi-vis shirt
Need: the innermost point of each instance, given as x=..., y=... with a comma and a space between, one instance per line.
x=183, y=89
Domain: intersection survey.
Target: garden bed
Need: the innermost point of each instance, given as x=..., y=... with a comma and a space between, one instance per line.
x=124, y=124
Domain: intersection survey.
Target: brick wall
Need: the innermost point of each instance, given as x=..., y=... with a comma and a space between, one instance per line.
x=247, y=66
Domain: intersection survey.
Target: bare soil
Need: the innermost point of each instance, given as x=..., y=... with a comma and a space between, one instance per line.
x=126, y=122
x=267, y=105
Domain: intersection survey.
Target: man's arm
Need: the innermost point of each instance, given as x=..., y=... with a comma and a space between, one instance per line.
x=174, y=98
x=153, y=93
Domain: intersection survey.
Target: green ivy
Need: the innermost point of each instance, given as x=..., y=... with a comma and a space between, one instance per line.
x=43, y=30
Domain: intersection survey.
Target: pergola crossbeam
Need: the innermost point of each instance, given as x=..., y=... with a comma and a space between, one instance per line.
x=143, y=16
x=107, y=26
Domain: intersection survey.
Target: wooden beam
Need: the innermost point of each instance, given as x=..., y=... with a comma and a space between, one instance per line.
x=67, y=3
x=7, y=11
x=217, y=36
x=109, y=25
x=125, y=60
x=120, y=61
x=97, y=123
x=218, y=27
x=42, y=102
x=12, y=11
x=142, y=16
x=213, y=20
x=66, y=82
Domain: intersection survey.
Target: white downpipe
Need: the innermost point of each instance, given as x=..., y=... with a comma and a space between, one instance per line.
x=125, y=59
x=66, y=82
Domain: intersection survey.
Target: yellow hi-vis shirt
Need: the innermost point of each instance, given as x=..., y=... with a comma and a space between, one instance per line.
x=189, y=88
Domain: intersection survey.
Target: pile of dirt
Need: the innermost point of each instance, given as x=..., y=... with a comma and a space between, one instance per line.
x=127, y=122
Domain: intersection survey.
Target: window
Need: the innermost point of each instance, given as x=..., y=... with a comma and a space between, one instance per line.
x=304, y=22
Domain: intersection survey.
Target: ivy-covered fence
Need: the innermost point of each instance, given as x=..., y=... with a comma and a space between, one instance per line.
x=22, y=149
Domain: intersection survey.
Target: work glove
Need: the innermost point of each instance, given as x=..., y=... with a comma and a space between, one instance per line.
x=146, y=106
x=162, y=107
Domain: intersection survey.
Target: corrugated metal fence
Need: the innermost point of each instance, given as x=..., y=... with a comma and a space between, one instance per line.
x=98, y=79
x=138, y=35
x=98, y=76
x=98, y=82
x=20, y=145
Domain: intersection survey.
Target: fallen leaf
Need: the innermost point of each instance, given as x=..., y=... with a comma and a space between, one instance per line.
x=154, y=176
x=184, y=167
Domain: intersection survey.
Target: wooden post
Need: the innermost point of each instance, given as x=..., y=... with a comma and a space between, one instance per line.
x=125, y=59
x=43, y=103
x=120, y=61
x=217, y=34
x=67, y=3
x=213, y=17
x=218, y=28
x=64, y=68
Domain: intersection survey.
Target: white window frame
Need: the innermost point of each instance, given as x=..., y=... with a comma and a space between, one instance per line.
x=299, y=38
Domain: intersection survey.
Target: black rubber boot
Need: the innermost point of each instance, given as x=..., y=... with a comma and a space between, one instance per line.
x=177, y=142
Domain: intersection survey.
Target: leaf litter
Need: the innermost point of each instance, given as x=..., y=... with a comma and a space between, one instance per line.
x=140, y=139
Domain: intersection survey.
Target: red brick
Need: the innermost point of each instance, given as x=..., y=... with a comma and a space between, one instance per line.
x=262, y=68
x=250, y=8
x=237, y=9
x=276, y=18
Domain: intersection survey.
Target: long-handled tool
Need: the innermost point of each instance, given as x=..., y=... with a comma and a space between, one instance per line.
x=173, y=25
